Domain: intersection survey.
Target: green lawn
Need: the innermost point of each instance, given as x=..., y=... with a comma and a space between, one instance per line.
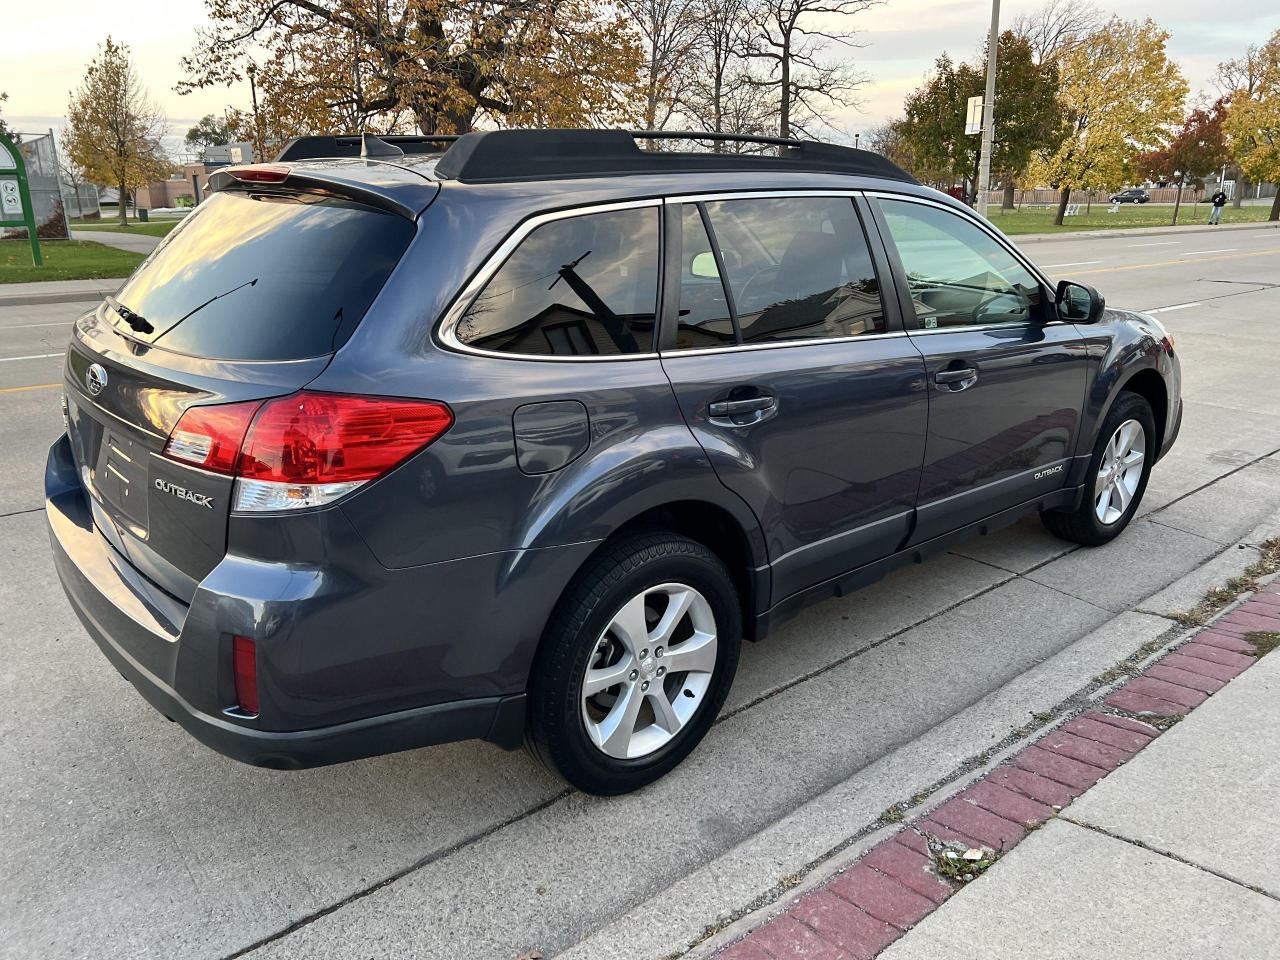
x=64, y=260
x=153, y=228
x=1040, y=219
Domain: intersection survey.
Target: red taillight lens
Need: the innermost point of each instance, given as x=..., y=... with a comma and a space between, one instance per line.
x=210, y=437
x=261, y=174
x=244, y=665
x=312, y=438
x=306, y=449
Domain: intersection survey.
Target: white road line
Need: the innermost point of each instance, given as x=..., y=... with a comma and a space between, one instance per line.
x=1162, y=243
x=1197, y=253
x=1073, y=263
x=34, y=356
x=1176, y=306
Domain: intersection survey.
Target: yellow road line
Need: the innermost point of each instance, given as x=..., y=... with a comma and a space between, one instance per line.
x=1172, y=263
x=38, y=386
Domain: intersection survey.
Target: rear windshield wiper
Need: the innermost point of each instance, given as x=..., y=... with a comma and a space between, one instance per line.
x=195, y=310
x=136, y=321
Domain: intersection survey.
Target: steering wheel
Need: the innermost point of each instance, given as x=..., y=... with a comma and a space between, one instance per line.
x=755, y=288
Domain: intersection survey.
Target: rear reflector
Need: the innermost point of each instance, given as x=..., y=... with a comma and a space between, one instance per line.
x=306, y=449
x=244, y=664
x=261, y=174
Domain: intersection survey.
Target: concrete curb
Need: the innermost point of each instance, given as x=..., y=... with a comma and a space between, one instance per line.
x=58, y=291
x=1139, y=231
x=862, y=908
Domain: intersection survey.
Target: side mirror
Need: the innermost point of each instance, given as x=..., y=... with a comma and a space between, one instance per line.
x=1078, y=303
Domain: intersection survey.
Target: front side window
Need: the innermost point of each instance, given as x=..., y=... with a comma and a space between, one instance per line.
x=958, y=274
x=577, y=287
x=798, y=267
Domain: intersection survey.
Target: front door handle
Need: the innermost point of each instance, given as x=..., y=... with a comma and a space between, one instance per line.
x=741, y=413
x=954, y=380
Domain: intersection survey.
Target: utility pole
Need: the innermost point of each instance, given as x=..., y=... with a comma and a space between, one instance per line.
x=988, y=110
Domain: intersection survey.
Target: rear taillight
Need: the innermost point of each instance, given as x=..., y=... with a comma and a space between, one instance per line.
x=210, y=437
x=306, y=449
x=244, y=666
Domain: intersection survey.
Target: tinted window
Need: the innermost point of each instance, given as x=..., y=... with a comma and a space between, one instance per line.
x=798, y=267
x=581, y=286
x=958, y=274
x=266, y=277
x=705, y=320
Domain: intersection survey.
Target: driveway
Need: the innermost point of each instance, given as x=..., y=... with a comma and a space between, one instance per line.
x=122, y=837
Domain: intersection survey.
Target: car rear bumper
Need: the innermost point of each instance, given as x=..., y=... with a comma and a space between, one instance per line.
x=141, y=630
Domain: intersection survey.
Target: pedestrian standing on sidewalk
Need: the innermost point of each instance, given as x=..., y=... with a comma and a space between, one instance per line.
x=1219, y=200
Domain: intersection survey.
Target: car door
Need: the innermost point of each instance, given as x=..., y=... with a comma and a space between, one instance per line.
x=1006, y=377
x=795, y=376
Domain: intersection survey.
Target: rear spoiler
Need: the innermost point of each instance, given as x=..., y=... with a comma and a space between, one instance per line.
x=329, y=182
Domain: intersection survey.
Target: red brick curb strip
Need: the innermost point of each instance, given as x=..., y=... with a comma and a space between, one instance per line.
x=893, y=886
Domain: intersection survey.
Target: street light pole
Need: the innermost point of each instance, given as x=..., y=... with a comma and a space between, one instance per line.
x=988, y=110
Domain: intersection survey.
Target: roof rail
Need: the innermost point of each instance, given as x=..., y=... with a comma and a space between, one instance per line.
x=352, y=145
x=507, y=155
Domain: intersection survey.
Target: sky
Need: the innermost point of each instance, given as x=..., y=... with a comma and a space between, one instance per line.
x=45, y=55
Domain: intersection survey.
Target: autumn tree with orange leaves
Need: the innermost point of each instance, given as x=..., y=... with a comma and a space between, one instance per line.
x=439, y=65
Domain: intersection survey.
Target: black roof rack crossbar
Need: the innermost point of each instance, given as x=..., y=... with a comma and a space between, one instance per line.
x=508, y=155
x=350, y=145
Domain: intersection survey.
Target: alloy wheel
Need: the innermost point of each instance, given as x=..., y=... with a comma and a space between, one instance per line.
x=1120, y=471
x=650, y=671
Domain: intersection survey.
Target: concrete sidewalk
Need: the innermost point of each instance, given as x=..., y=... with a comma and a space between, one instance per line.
x=1105, y=836
x=133, y=242
x=1177, y=854
x=1224, y=227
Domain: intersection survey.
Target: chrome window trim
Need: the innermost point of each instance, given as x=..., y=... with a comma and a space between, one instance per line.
x=812, y=342
x=797, y=192
x=446, y=331
x=966, y=214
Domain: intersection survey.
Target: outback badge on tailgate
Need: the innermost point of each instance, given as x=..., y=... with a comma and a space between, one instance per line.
x=182, y=493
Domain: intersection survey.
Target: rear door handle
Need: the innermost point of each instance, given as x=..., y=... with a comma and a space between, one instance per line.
x=956, y=379
x=744, y=412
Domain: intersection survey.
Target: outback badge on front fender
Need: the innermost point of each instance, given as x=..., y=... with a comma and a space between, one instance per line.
x=201, y=499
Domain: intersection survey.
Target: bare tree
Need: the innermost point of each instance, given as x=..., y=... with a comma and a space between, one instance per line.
x=1242, y=73
x=1057, y=27
x=1232, y=76
x=790, y=38
x=669, y=30
x=720, y=33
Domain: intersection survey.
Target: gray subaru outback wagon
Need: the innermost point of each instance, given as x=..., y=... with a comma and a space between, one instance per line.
x=400, y=441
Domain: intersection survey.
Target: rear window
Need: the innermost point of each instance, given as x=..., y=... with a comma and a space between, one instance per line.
x=263, y=276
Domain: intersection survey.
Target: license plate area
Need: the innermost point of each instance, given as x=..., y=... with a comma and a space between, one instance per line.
x=121, y=480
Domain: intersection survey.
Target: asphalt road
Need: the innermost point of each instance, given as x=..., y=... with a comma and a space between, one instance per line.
x=122, y=837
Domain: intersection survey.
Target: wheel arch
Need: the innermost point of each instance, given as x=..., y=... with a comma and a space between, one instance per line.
x=1148, y=384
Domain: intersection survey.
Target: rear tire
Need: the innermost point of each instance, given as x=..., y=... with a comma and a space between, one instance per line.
x=610, y=708
x=1116, y=478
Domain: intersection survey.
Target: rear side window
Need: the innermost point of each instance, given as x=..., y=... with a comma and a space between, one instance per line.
x=577, y=287
x=798, y=268
x=262, y=276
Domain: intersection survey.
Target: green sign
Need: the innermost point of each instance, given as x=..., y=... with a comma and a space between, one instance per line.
x=15, y=197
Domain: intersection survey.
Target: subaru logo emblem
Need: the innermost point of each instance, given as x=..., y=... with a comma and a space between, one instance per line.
x=95, y=378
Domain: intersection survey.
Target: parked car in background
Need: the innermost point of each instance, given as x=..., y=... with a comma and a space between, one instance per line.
x=1132, y=195
x=386, y=446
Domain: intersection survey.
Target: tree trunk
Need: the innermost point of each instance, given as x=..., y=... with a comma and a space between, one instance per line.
x=123, y=205
x=784, y=113
x=1007, y=202
x=1062, y=206
x=1177, y=201
x=1275, y=207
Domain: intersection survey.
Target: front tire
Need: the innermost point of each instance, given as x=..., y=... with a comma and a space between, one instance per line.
x=636, y=664
x=1118, y=472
